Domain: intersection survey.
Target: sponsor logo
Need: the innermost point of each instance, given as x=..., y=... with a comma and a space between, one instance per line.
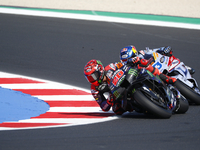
x=124, y=50
x=142, y=52
x=162, y=59
x=157, y=65
x=133, y=71
x=124, y=56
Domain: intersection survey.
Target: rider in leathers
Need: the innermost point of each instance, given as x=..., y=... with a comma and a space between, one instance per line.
x=129, y=55
x=100, y=78
x=129, y=52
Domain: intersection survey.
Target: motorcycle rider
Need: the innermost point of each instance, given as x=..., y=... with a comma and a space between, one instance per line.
x=129, y=52
x=129, y=55
x=100, y=78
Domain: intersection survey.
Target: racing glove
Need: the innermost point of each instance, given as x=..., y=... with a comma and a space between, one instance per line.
x=167, y=79
x=102, y=87
x=135, y=60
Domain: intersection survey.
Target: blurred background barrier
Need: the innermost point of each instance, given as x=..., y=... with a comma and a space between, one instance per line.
x=180, y=8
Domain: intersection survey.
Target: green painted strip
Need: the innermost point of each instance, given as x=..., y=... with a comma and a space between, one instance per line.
x=121, y=15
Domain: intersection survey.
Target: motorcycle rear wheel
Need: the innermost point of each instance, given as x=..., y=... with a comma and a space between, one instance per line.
x=152, y=107
x=186, y=91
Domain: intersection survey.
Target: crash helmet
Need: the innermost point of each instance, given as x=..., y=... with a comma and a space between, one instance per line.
x=127, y=52
x=94, y=72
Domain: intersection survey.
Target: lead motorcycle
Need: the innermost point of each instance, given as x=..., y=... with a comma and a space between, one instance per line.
x=173, y=67
x=146, y=93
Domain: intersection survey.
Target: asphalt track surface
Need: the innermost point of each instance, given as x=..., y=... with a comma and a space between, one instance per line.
x=57, y=50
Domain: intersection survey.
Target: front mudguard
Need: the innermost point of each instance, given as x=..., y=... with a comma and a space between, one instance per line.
x=191, y=82
x=183, y=74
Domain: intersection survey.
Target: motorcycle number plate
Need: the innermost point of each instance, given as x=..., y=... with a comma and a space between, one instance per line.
x=157, y=65
x=117, y=77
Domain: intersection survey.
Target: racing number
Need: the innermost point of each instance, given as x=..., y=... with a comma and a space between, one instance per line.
x=117, y=77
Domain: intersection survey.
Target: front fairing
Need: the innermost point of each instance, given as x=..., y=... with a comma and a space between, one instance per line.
x=174, y=68
x=147, y=75
x=160, y=62
x=171, y=97
x=122, y=79
x=115, y=82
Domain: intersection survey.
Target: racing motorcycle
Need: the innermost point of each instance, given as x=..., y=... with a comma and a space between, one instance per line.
x=173, y=67
x=146, y=93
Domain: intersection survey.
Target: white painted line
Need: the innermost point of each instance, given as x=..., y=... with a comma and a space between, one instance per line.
x=36, y=86
x=98, y=18
x=77, y=109
x=61, y=120
x=67, y=98
x=40, y=85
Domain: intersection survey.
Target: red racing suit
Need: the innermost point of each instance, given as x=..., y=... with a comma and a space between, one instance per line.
x=98, y=91
x=143, y=63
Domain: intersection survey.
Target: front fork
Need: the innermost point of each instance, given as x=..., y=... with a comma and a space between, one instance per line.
x=176, y=102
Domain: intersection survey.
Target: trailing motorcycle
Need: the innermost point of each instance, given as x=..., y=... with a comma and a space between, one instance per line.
x=146, y=93
x=173, y=67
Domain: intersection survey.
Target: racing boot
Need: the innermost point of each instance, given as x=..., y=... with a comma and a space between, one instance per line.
x=118, y=110
x=129, y=107
x=167, y=79
x=155, y=71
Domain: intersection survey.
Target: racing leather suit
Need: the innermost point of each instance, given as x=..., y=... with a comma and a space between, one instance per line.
x=144, y=63
x=98, y=91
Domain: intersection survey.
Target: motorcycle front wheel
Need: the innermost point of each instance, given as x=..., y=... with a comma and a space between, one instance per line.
x=189, y=93
x=160, y=110
x=183, y=105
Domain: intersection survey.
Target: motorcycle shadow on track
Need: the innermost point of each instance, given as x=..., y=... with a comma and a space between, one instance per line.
x=136, y=115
